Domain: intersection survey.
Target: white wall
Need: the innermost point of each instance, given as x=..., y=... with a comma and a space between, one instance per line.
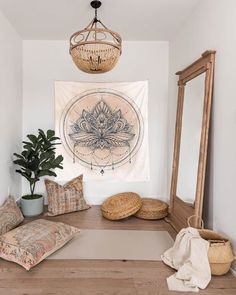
x=213, y=27
x=10, y=107
x=47, y=61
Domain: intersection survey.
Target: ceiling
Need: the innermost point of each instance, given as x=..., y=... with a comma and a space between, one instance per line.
x=133, y=19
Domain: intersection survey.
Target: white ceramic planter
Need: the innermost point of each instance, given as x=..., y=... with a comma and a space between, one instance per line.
x=32, y=207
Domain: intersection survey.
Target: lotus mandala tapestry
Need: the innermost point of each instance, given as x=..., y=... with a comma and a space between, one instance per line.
x=103, y=129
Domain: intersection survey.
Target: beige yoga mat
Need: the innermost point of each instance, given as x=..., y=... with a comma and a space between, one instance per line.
x=116, y=245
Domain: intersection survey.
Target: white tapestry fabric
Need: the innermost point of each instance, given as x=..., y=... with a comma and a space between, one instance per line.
x=189, y=256
x=103, y=129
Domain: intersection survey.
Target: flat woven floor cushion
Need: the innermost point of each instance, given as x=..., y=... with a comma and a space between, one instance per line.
x=152, y=209
x=121, y=206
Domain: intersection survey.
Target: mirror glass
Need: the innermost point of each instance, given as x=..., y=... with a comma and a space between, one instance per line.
x=190, y=139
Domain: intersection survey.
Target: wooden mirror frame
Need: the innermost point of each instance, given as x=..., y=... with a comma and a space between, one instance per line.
x=180, y=211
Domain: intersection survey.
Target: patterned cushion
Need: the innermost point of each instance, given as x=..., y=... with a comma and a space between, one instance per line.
x=66, y=198
x=10, y=215
x=29, y=244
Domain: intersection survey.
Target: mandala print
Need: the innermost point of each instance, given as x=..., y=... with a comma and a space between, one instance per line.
x=101, y=129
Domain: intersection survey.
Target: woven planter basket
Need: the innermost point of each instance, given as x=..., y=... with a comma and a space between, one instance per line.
x=121, y=206
x=152, y=209
x=220, y=252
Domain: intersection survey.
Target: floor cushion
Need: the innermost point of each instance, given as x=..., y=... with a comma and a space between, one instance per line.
x=10, y=215
x=121, y=206
x=65, y=198
x=152, y=209
x=29, y=244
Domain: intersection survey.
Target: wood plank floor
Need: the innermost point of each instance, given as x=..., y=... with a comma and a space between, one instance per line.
x=99, y=277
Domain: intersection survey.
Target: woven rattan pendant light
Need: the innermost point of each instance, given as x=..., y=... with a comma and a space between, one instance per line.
x=96, y=49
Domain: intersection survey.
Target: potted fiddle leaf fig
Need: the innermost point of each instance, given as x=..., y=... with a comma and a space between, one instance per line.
x=37, y=159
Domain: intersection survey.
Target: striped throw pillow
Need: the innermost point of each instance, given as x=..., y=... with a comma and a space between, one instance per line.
x=65, y=198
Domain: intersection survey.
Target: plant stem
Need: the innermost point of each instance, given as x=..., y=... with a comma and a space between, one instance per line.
x=31, y=189
x=33, y=186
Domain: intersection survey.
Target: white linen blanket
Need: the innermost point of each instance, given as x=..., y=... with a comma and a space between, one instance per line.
x=189, y=256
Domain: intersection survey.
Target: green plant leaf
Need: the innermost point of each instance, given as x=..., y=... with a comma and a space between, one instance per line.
x=27, y=147
x=24, y=174
x=54, y=138
x=18, y=156
x=45, y=156
x=58, y=160
x=25, y=154
x=19, y=171
x=50, y=133
x=20, y=162
x=46, y=173
x=27, y=142
x=34, y=165
x=51, y=173
x=43, y=135
x=32, y=138
x=46, y=166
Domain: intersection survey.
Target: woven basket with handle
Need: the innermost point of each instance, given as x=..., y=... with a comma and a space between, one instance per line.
x=220, y=252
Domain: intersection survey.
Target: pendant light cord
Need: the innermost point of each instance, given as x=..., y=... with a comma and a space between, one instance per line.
x=96, y=15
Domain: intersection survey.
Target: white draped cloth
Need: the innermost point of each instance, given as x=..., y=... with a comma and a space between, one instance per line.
x=189, y=256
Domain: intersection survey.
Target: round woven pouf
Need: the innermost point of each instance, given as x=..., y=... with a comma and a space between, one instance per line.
x=152, y=209
x=121, y=206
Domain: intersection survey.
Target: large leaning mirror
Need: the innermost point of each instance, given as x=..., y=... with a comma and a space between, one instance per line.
x=195, y=86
